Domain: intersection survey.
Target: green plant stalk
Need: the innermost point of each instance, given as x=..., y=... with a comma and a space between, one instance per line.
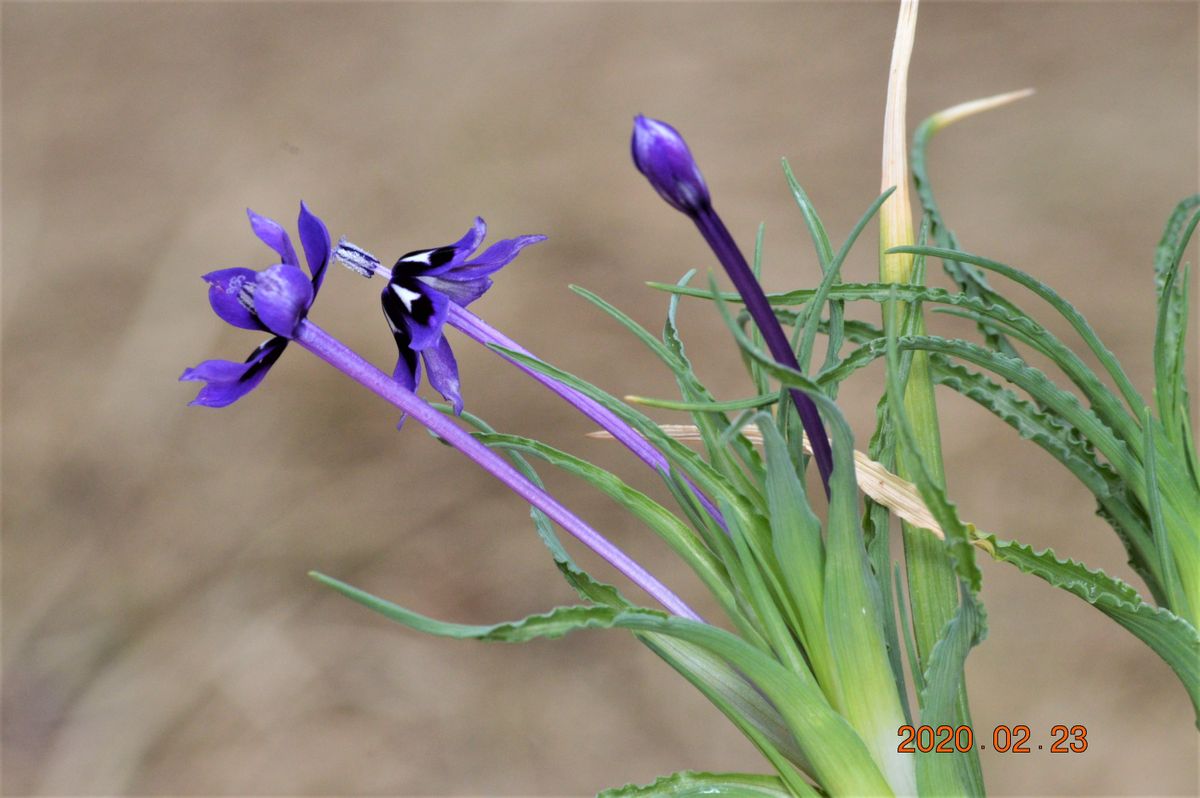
x=932, y=587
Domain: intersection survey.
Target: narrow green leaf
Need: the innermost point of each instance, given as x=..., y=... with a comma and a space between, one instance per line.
x=766, y=604
x=1051, y=297
x=750, y=403
x=669, y=528
x=1177, y=599
x=1168, y=635
x=944, y=697
x=839, y=761
x=728, y=691
x=869, y=694
x=673, y=356
x=833, y=275
x=948, y=773
x=796, y=538
x=1170, y=378
x=968, y=277
x=692, y=784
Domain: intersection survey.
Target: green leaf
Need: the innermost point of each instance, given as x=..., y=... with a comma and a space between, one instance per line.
x=1029, y=379
x=692, y=784
x=1168, y=635
x=869, y=694
x=832, y=275
x=1051, y=297
x=948, y=773
x=766, y=595
x=943, y=700
x=968, y=277
x=839, y=761
x=1177, y=599
x=796, y=538
x=672, y=355
x=728, y=691
x=1170, y=335
x=749, y=403
x=692, y=464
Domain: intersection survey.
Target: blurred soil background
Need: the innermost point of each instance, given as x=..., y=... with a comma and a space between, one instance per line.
x=160, y=636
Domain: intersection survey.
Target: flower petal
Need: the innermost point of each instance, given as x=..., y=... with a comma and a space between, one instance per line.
x=408, y=364
x=495, y=257
x=228, y=381
x=314, y=238
x=461, y=293
x=443, y=372
x=417, y=307
x=282, y=297
x=473, y=238
x=224, y=287
x=274, y=236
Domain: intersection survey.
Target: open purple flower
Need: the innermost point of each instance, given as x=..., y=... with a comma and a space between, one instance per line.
x=273, y=300
x=421, y=286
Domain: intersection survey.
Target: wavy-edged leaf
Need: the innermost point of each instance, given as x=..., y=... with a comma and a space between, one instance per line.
x=839, y=760
x=1026, y=377
x=1052, y=298
x=669, y=528
x=1170, y=378
x=693, y=784
x=967, y=276
x=720, y=683
x=1168, y=635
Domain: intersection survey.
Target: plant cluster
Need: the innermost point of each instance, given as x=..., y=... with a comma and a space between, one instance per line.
x=823, y=633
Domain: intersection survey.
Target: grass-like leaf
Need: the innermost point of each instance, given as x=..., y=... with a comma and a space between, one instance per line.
x=669, y=528
x=692, y=784
x=839, y=760
x=1052, y=298
x=1171, y=637
x=968, y=277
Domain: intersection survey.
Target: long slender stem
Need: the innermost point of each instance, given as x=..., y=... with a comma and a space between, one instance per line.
x=476, y=328
x=332, y=351
x=755, y=299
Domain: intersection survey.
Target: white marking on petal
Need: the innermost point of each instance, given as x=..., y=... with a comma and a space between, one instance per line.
x=418, y=257
x=406, y=296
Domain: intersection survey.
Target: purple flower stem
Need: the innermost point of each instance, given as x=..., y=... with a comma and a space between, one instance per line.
x=335, y=353
x=723, y=246
x=476, y=328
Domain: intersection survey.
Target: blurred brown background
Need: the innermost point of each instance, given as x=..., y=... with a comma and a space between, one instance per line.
x=159, y=633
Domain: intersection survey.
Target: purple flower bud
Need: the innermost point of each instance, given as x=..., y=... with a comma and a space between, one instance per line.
x=661, y=154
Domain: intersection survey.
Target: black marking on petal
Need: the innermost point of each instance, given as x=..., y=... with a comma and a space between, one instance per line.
x=273, y=348
x=393, y=308
x=404, y=298
x=424, y=259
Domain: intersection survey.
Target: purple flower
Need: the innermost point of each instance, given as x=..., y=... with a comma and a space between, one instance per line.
x=661, y=154
x=273, y=300
x=421, y=286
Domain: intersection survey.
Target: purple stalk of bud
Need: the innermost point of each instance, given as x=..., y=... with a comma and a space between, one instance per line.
x=332, y=351
x=474, y=327
x=661, y=154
